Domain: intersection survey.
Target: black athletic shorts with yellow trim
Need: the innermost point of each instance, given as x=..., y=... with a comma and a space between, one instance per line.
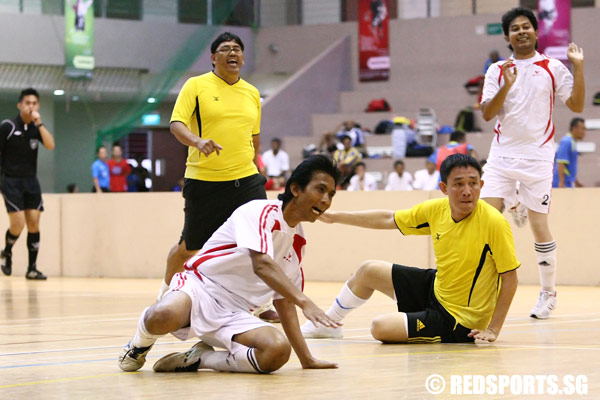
x=428, y=320
x=21, y=193
x=209, y=204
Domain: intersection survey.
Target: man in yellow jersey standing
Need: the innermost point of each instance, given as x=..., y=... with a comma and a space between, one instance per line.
x=217, y=115
x=467, y=297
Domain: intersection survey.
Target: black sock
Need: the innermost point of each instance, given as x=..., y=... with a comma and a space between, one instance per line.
x=10, y=240
x=33, y=245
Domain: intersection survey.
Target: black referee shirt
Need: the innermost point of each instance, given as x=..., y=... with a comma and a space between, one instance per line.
x=19, y=148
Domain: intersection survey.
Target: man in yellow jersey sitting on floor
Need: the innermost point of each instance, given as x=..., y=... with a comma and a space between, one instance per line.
x=469, y=294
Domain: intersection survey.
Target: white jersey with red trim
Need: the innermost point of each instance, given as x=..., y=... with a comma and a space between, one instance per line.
x=225, y=258
x=524, y=128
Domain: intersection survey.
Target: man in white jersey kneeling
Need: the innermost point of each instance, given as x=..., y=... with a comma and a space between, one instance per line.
x=520, y=93
x=254, y=256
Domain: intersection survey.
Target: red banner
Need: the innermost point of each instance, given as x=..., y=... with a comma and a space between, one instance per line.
x=373, y=40
x=554, y=28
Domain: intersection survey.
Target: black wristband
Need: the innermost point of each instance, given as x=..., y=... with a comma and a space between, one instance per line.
x=40, y=125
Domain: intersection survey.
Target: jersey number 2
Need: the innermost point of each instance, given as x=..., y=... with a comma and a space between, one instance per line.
x=545, y=201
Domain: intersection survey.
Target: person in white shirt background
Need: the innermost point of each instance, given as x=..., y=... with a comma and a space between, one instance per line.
x=362, y=180
x=399, y=179
x=276, y=160
x=428, y=178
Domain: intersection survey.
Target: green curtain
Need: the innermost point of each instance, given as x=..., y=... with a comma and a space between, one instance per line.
x=158, y=85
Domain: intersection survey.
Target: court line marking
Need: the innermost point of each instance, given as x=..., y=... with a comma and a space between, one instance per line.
x=75, y=378
x=90, y=321
x=91, y=316
x=341, y=357
x=89, y=348
x=533, y=323
x=485, y=347
x=46, y=364
x=136, y=314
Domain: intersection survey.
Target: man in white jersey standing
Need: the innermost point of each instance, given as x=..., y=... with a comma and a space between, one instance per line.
x=254, y=256
x=521, y=93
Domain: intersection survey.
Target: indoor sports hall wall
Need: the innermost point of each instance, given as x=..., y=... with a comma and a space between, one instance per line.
x=129, y=236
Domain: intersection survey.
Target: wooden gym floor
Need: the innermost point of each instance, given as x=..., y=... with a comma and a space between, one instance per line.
x=60, y=340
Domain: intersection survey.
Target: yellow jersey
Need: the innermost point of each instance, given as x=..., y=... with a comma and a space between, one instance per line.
x=228, y=114
x=470, y=256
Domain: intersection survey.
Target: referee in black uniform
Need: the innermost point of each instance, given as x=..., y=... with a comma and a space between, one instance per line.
x=19, y=140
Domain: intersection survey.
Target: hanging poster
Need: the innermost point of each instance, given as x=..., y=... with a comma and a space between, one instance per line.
x=554, y=28
x=79, y=38
x=373, y=40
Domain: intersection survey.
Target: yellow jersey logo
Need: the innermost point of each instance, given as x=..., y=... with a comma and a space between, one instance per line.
x=420, y=325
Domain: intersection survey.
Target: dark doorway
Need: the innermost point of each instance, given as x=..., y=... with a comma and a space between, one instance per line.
x=168, y=160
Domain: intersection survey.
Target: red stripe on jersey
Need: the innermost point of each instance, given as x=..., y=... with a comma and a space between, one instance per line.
x=276, y=226
x=264, y=216
x=551, y=135
x=544, y=65
x=219, y=248
x=180, y=281
x=299, y=242
x=500, y=74
x=198, y=275
x=202, y=259
x=497, y=129
x=302, y=273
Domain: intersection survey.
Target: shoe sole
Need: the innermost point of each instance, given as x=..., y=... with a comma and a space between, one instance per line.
x=130, y=364
x=129, y=367
x=6, y=266
x=165, y=364
x=536, y=317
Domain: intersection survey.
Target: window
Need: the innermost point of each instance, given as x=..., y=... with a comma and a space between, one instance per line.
x=124, y=9
x=196, y=12
x=193, y=11
x=53, y=7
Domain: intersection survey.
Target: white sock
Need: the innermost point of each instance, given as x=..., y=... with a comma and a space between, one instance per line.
x=162, y=290
x=546, y=258
x=142, y=337
x=345, y=302
x=242, y=360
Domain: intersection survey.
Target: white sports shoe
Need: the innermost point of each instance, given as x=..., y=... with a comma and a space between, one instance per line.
x=310, y=331
x=545, y=304
x=519, y=214
x=183, y=362
x=132, y=358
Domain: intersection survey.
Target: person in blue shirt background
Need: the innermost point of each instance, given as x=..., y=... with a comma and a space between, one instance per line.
x=565, y=161
x=100, y=172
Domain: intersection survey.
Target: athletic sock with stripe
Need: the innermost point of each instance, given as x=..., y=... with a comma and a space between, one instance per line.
x=345, y=302
x=241, y=360
x=546, y=258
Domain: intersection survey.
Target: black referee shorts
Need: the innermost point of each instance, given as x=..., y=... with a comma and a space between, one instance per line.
x=428, y=320
x=209, y=204
x=21, y=194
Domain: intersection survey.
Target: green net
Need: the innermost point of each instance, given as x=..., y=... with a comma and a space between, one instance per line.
x=158, y=85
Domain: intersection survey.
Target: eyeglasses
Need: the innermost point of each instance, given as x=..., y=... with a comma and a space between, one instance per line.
x=227, y=49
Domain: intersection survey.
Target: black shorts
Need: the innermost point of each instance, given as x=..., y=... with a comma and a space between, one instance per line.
x=209, y=204
x=428, y=320
x=21, y=194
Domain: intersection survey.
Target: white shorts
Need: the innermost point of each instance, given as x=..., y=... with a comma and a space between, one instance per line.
x=215, y=318
x=502, y=174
